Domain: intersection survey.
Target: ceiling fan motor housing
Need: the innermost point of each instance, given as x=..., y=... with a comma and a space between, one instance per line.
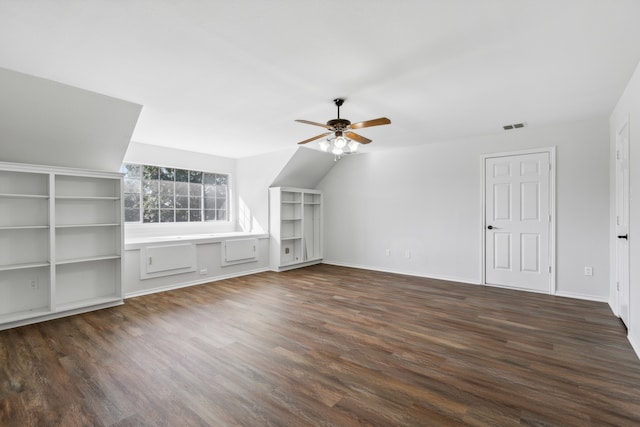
x=339, y=124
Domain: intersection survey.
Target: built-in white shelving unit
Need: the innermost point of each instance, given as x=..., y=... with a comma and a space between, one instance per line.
x=295, y=222
x=61, y=242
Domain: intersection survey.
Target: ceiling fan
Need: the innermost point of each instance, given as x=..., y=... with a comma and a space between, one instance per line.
x=343, y=141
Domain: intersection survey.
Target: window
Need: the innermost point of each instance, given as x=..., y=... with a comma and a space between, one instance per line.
x=158, y=194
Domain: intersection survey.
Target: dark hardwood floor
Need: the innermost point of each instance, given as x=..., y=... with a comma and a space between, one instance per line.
x=325, y=346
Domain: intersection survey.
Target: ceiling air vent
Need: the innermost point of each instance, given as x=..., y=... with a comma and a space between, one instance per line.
x=514, y=126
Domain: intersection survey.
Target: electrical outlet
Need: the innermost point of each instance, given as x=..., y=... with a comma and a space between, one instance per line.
x=407, y=254
x=387, y=252
x=204, y=271
x=286, y=250
x=588, y=271
x=33, y=284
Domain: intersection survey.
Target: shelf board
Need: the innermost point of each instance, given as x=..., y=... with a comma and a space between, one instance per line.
x=86, y=259
x=87, y=198
x=24, y=266
x=290, y=219
x=25, y=314
x=290, y=202
x=86, y=225
x=312, y=203
x=24, y=227
x=291, y=238
x=24, y=196
x=87, y=302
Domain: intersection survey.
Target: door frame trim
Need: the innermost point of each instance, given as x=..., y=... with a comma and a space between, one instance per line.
x=552, y=210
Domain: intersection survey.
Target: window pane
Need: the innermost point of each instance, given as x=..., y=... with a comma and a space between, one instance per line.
x=182, y=202
x=132, y=215
x=195, y=190
x=131, y=171
x=221, y=191
x=209, y=178
x=132, y=185
x=182, y=215
x=166, y=215
x=167, y=174
x=150, y=187
x=222, y=215
x=195, y=177
x=209, y=203
x=182, y=175
x=182, y=188
x=209, y=190
x=132, y=201
x=195, y=202
x=221, y=203
x=209, y=215
x=221, y=179
x=150, y=215
x=194, y=216
x=150, y=172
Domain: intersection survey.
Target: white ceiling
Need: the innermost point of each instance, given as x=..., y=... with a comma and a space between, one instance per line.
x=229, y=77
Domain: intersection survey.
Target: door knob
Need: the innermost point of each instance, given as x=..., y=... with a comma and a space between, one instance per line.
x=490, y=227
x=626, y=236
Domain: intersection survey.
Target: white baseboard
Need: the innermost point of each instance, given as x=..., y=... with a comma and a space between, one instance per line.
x=635, y=344
x=193, y=283
x=406, y=273
x=585, y=297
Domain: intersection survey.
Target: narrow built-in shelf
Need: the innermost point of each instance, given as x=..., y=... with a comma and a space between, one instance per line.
x=291, y=219
x=86, y=225
x=23, y=266
x=23, y=227
x=86, y=259
x=23, y=196
x=291, y=238
x=87, y=198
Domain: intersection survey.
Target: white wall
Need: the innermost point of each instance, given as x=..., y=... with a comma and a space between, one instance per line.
x=255, y=175
x=629, y=107
x=428, y=200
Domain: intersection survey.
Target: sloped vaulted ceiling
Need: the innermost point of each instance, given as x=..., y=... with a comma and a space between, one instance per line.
x=48, y=123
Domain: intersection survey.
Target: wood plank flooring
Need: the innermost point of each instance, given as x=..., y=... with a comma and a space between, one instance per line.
x=325, y=346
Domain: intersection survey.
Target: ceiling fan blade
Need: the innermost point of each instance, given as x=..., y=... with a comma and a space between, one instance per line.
x=361, y=139
x=314, y=138
x=369, y=123
x=313, y=123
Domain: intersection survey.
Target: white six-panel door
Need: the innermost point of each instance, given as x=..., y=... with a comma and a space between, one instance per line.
x=518, y=221
x=622, y=223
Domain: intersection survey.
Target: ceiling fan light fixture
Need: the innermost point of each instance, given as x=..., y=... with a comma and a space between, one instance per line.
x=353, y=146
x=337, y=151
x=324, y=145
x=340, y=142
